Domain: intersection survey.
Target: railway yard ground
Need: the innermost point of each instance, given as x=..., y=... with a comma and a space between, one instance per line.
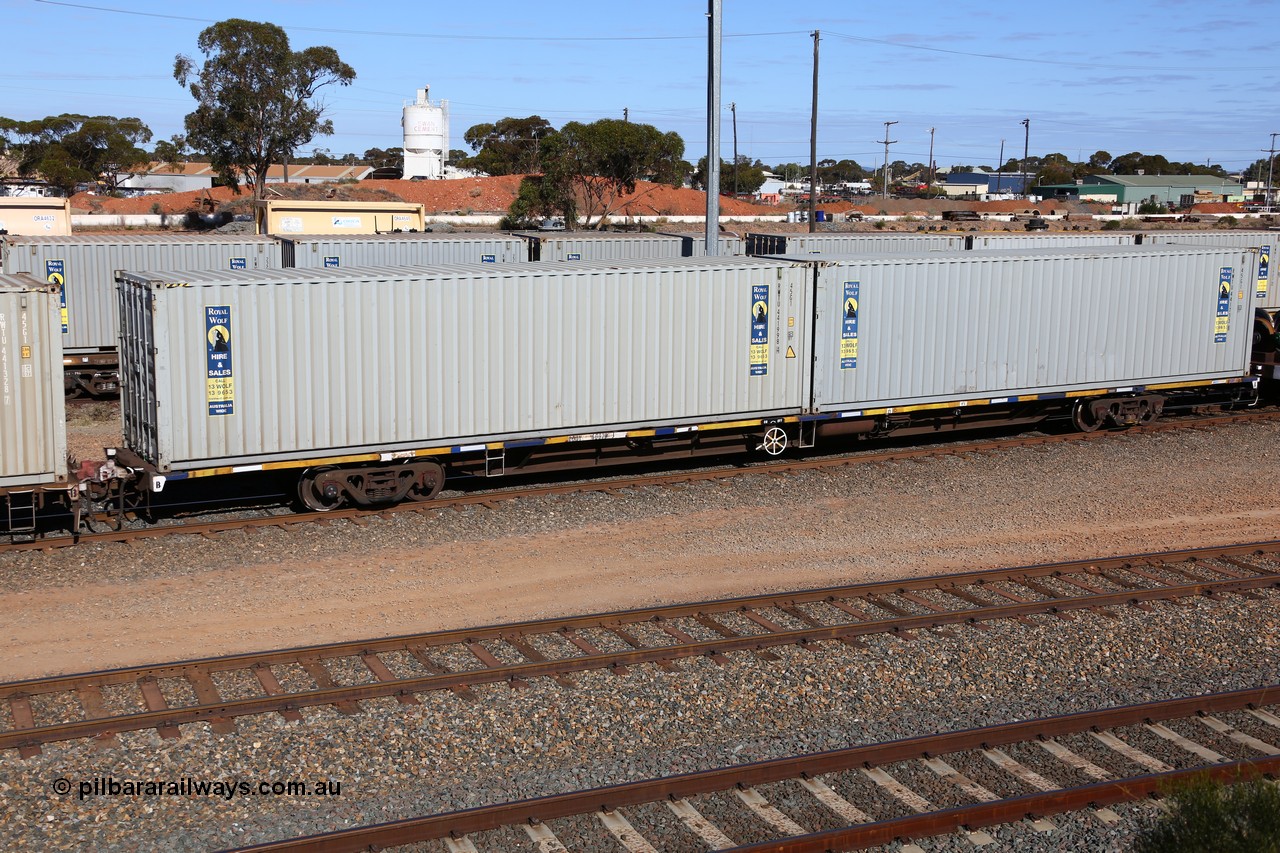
x=102, y=606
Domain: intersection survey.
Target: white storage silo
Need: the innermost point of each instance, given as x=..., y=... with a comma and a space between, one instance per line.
x=426, y=137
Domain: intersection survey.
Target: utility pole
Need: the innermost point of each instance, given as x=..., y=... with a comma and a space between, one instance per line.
x=733, y=108
x=1026, y=142
x=813, y=141
x=930, y=191
x=626, y=114
x=884, y=184
x=1000, y=167
x=713, y=128
x=1271, y=165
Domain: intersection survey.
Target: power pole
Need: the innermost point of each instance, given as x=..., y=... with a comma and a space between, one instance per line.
x=1026, y=142
x=733, y=108
x=930, y=191
x=1271, y=165
x=813, y=141
x=626, y=114
x=1000, y=167
x=713, y=128
x=884, y=184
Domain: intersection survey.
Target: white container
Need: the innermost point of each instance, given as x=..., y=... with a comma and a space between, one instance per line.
x=983, y=327
x=852, y=243
x=33, y=427
x=237, y=369
x=324, y=251
x=87, y=263
x=602, y=246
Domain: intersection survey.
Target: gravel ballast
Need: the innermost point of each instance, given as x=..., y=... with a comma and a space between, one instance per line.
x=185, y=597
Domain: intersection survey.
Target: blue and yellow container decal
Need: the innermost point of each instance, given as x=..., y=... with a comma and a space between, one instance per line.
x=759, y=329
x=1264, y=271
x=1222, y=323
x=849, y=326
x=220, y=389
x=55, y=272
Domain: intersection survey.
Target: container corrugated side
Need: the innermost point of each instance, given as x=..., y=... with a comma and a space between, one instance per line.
x=995, y=324
x=329, y=366
x=603, y=246
x=1268, y=293
x=797, y=244
x=324, y=251
x=87, y=264
x=33, y=427
x=694, y=244
x=1023, y=242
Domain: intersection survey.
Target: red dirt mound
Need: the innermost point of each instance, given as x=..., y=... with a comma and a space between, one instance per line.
x=465, y=195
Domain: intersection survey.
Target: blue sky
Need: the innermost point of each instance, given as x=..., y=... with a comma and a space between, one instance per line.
x=1194, y=81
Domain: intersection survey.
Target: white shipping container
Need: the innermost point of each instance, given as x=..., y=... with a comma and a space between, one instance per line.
x=1268, y=294
x=321, y=251
x=1056, y=240
x=930, y=328
x=602, y=246
x=33, y=428
x=240, y=368
x=694, y=243
x=851, y=243
x=87, y=263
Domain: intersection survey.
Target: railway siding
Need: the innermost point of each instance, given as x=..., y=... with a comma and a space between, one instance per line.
x=512, y=742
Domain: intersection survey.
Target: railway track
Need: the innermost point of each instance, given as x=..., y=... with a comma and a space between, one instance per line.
x=491, y=498
x=218, y=690
x=815, y=803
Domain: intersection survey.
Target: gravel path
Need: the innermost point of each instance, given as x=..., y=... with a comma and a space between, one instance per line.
x=113, y=605
x=184, y=597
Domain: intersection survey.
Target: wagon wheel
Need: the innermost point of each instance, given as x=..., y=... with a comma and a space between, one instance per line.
x=1082, y=417
x=318, y=497
x=430, y=482
x=774, y=441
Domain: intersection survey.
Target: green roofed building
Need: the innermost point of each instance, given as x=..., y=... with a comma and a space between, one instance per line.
x=1170, y=190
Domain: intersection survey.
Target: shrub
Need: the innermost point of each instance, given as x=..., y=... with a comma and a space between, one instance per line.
x=1227, y=222
x=1203, y=816
x=879, y=223
x=1111, y=225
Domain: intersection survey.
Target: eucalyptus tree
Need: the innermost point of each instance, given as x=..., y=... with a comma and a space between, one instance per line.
x=256, y=97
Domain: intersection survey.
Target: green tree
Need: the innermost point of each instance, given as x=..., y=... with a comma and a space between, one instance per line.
x=1100, y=161
x=1205, y=817
x=598, y=164
x=750, y=175
x=508, y=146
x=382, y=157
x=538, y=199
x=68, y=150
x=255, y=97
x=172, y=152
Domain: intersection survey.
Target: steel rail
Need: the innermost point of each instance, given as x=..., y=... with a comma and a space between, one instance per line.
x=29, y=737
x=622, y=618
x=611, y=798
x=490, y=498
x=982, y=815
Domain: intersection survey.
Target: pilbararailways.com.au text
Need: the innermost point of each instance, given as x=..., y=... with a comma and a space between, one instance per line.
x=187, y=786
